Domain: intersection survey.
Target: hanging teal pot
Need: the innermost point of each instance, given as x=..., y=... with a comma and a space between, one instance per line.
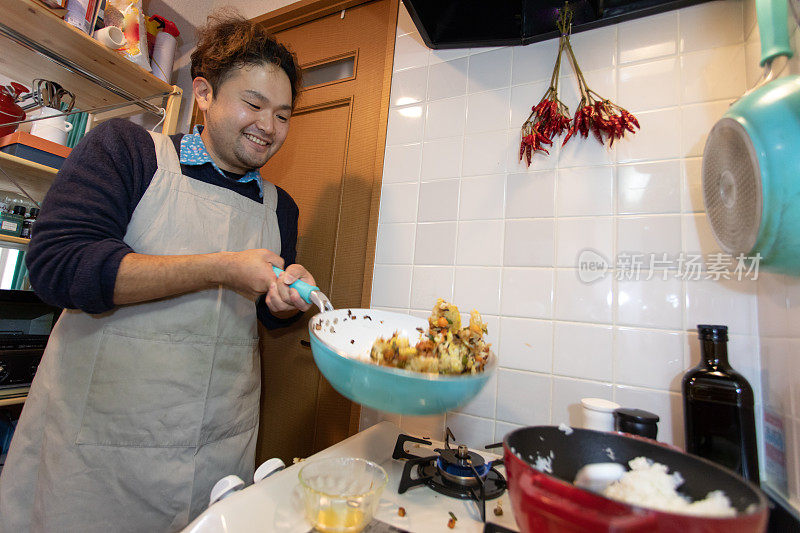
x=751, y=161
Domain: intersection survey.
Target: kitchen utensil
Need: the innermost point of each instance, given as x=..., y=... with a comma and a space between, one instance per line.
x=340, y=494
x=341, y=341
x=597, y=476
x=43, y=92
x=51, y=94
x=64, y=97
x=751, y=161
x=548, y=501
x=10, y=111
x=309, y=293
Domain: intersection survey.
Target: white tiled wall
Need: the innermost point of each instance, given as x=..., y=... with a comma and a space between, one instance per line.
x=779, y=336
x=462, y=218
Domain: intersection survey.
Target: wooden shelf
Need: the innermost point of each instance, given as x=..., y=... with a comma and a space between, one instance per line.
x=14, y=240
x=36, y=43
x=33, y=177
x=13, y=396
x=39, y=25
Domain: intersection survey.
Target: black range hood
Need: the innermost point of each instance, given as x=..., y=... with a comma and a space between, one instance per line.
x=475, y=23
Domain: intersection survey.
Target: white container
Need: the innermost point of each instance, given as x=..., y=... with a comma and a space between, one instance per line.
x=598, y=414
x=54, y=129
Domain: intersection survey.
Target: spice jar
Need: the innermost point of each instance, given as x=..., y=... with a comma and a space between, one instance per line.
x=27, y=224
x=598, y=413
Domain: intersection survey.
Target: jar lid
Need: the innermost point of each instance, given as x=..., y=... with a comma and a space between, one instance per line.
x=636, y=415
x=599, y=404
x=709, y=332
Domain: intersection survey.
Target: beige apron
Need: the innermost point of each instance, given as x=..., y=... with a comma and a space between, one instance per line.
x=135, y=414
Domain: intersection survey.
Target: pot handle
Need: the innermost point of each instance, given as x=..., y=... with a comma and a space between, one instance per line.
x=302, y=287
x=559, y=499
x=19, y=89
x=772, y=26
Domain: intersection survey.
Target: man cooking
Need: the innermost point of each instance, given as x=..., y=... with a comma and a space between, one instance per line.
x=157, y=247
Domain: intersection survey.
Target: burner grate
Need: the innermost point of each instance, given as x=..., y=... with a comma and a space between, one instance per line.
x=480, y=483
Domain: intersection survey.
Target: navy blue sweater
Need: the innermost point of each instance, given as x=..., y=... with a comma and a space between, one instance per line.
x=77, y=245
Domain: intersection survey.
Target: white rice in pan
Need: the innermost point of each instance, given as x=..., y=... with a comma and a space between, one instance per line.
x=647, y=484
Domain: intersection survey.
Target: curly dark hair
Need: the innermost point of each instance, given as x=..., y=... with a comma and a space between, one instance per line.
x=229, y=41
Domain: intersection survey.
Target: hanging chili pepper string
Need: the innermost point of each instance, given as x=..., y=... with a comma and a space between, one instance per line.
x=594, y=114
x=548, y=119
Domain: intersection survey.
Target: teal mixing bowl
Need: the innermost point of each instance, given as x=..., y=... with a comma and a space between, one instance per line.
x=341, y=341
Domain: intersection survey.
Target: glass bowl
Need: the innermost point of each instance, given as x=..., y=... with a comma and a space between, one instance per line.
x=340, y=494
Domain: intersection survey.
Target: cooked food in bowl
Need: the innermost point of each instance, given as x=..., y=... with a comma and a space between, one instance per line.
x=445, y=348
x=647, y=484
x=342, y=340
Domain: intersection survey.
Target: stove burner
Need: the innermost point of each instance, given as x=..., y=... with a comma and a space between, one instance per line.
x=461, y=466
x=458, y=473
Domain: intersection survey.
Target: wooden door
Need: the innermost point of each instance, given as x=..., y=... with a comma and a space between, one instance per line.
x=331, y=164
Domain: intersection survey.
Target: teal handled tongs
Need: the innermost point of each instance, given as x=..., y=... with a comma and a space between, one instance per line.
x=309, y=293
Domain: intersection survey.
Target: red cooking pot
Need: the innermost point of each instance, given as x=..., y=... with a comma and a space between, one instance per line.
x=9, y=110
x=549, y=502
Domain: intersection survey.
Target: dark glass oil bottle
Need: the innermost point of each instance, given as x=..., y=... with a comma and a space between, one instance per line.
x=718, y=408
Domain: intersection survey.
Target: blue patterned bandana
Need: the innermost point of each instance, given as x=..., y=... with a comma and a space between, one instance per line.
x=193, y=152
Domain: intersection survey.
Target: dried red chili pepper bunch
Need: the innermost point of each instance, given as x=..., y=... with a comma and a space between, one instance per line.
x=548, y=119
x=603, y=118
x=598, y=115
x=595, y=114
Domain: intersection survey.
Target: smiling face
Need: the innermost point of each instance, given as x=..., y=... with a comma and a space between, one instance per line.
x=247, y=118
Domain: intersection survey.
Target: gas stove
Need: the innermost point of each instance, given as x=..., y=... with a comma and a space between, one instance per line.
x=455, y=472
x=428, y=479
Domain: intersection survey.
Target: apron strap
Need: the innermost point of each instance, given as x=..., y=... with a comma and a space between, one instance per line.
x=166, y=155
x=270, y=196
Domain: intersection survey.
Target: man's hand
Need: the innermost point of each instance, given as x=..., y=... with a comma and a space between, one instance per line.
x=146, y=277
x=143, y=277
x=284, y=302
x=249, y=272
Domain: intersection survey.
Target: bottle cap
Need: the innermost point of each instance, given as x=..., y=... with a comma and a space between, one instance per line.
x=636, y=415
x=707, y=332
x=34, y=212
x=636, y=422
x=19, y=210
